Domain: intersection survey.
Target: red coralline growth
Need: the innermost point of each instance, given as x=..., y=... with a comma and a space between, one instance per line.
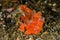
x=34, y=24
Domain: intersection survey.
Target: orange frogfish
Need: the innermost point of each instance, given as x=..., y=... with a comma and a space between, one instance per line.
x=35, y=21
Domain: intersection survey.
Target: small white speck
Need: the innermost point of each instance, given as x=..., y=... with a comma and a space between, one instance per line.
x=54, y=4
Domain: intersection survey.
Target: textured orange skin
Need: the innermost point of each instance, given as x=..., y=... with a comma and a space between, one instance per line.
x=23, y=8
x=27, y=12
x=22, y=27
x=35, y=25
